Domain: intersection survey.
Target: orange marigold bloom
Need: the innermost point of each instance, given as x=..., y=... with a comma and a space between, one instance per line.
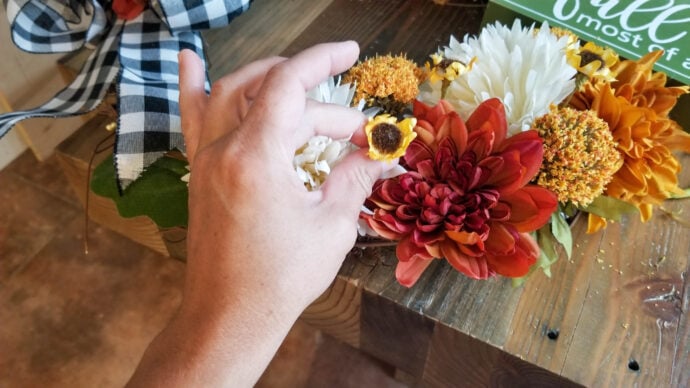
x=386, y=77
x=580, y=156
x=636, y=108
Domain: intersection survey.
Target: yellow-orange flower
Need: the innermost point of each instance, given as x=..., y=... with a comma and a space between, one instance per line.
x=385, y=80
x=580, y=156
x=637, y=83
x=445, y=69
x=595, y=61
x=389, y=138
x=636, y=107
x=590, y=60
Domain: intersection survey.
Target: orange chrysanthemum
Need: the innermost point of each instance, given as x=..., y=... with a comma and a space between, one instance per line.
x=636, y=82
x=636, y=108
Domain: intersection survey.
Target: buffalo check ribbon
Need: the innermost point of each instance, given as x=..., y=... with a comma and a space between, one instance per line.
x=138, y=55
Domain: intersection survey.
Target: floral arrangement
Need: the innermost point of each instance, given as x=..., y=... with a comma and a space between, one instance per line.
x=503, y=138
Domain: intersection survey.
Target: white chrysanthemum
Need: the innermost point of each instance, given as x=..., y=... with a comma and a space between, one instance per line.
x=525, y=68
x=314, y=160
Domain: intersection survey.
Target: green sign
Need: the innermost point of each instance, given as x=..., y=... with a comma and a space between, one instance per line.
x=633, y=27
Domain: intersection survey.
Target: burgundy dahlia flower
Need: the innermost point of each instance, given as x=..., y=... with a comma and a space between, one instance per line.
x=465, y=197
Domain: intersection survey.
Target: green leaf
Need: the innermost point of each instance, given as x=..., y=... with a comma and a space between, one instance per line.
x=517, y=282
x=547, y=242
x=686, y=194
x=547, y=256
x=158, y=193
x=610, y=208
x=561, y=232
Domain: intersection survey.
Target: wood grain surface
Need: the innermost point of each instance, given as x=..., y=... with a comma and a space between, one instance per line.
x=263, y=31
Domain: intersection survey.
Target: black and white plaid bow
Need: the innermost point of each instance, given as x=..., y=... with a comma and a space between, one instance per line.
x=140, y=55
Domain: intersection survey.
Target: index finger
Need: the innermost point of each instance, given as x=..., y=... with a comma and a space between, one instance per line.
x=283, y=92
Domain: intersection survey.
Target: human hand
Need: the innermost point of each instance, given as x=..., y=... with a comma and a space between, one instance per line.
x=254, y=228
x=260, y=247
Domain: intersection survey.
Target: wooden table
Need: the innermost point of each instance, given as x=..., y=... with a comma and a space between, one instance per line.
x=616, y=314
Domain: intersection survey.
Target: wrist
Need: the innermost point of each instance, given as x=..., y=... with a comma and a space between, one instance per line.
x=213, y=344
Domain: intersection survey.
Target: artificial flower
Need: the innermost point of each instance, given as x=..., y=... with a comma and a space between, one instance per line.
x=332, y=91
x=465, y=196
x=443, y=69
x=314, y=160
x=128, y=9
x=595, y=61
x=635, y=108
x=580, y=155
x=390, y=82
x=388, y=138
x=637, y=83
x=573, y=42
x=526, y=69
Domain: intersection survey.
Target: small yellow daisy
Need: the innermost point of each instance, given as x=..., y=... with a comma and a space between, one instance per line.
x=444, y=69
x=389, y=138
x=596, y=61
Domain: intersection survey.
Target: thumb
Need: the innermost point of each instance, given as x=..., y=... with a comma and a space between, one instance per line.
x=351, y=181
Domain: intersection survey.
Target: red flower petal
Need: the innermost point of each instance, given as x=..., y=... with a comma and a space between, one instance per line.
x=416, y=152
x=490, y=115
x=408, y=272
x=516, y=264
x=407, y=250
x=502, y=239
x=531, y=207
x=452, y=127
x=412, y=261
x=481, y=141
x=506, y=172
x=465, y=238
x=431, y=113
x=382, y=228
x=473, y=267
x=529, y=146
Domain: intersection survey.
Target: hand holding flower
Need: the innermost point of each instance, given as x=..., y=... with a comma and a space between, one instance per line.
x=260, y=245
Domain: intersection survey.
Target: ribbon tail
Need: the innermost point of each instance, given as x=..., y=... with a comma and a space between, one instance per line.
x=84, y=94
x=148, y=90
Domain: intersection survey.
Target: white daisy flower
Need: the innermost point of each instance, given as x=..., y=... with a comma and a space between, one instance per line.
x=314, y=160
x=525, y=68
